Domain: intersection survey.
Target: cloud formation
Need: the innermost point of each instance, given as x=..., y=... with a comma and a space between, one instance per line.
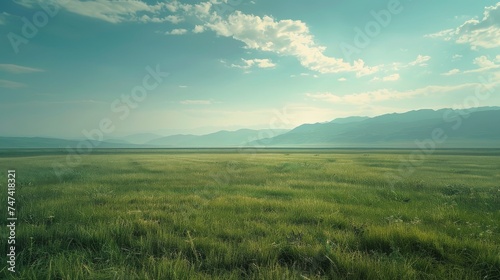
x=483, y=33
x=370, y=97
x=285, y=37
x=282, y=37
x=196, y=102
x=17, y=69
x=10, y=84
x=178, y=31
x=198, y=29
x=259, y=63
x=420, y=61
x=391, y=78
x=451, y=72
x=111, y=11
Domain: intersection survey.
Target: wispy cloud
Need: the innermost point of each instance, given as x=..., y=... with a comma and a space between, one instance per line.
x=26, y=3
x=370, y=97
x=390, y=78
x=196, y=102
x=110, y=11
x=11, y=84
x=17, y=69
x=79, y=101
x=259, y=63
x=484, y=64
x=304, y=75
x=420, y=61
x=178, y=31
x=174, y=19
x=171, y=18
x=483, y=33
x=451, y=72
x=445, y=34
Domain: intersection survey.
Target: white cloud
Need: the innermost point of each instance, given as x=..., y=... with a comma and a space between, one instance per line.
x=420, y=61
x=484, y=62
x=484, y=33
x=390, y=78
x=110, y=11
x=198, y=29
x=305, y=75
x=457, y=57
x=183, y=86
x=17, y=69
x=178, y=31
x=171, y=18
x=10, y=84
x=260, y=63
x=172, y=7
x=283, y=37
x=370, y=97
x=325, y=96
x=174, y=19
x=447, y=34
x=451, y=72
x=342, y=79
x=196, y=102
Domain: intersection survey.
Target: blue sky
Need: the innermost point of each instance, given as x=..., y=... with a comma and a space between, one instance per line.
x=68, y=65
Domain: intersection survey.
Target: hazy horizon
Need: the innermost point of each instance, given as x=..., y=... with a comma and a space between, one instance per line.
x=197, y=67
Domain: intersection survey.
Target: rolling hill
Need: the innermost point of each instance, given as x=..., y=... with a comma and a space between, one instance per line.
x=218, y=139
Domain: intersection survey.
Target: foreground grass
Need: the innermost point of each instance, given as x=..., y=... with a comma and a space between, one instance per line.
x=274, y=215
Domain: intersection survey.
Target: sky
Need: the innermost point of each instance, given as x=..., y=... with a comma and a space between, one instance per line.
x=123, y=67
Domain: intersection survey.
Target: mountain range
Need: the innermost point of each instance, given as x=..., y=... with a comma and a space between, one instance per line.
x=467, y=128
x=471, y=128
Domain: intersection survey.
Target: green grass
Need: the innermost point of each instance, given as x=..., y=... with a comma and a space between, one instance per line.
x=277, y=214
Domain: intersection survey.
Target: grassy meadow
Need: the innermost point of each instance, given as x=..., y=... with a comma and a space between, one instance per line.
x=275, y=214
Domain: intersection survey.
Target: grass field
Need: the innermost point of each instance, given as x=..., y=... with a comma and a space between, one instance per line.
x=277, y=214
